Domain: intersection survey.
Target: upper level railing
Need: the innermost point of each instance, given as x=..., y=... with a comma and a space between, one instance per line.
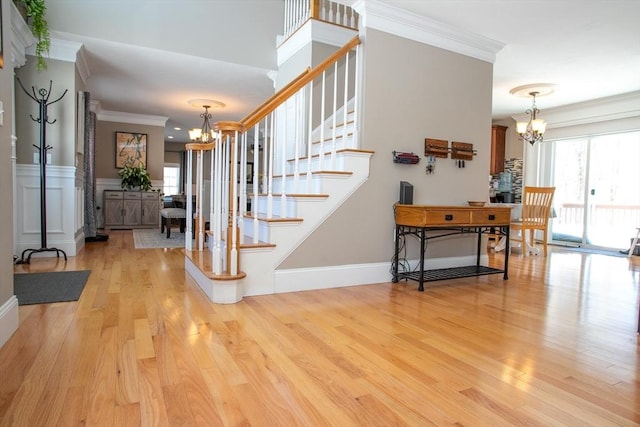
x=297, y=12
x=270, y=155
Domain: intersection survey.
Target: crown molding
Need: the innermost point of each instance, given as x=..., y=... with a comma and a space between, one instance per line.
x=131, y=118
x=21, y=39
x=402, y=23
x=594, y=111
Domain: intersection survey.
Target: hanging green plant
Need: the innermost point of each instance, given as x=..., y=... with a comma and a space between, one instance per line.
x=35, y=11
x=134, y=177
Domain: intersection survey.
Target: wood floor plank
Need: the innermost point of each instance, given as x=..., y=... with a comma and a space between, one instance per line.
x=555, y=345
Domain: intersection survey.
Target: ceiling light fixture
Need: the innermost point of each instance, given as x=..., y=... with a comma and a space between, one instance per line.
x=533, y=130
x=206, y=133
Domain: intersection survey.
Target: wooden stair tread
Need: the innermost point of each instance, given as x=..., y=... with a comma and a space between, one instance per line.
x=340, y=151
x=298, y=195
x=202, y=260
x=260, y=244
x=273, y=219
x=327, y=172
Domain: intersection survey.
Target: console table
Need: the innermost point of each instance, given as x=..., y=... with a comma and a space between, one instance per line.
x=432, y=222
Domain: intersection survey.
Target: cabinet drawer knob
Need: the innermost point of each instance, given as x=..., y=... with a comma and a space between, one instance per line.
x=448, y=217
x=492, y=217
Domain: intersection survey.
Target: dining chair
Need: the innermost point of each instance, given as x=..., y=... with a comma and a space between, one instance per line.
x=536, y=211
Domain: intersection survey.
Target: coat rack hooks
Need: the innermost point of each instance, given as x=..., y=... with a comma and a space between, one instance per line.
x=42, y=98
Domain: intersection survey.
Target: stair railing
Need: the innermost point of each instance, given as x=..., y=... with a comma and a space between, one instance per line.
x=297, y=12
x=272, y=152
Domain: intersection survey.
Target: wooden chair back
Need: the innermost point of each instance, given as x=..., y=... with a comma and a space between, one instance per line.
x=536, y=206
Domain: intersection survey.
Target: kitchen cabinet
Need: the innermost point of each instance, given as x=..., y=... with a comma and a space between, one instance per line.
x=498, y=135
x=131, y=209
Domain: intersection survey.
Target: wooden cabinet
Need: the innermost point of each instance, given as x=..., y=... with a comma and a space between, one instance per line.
x=498, y=135
x=131, y=209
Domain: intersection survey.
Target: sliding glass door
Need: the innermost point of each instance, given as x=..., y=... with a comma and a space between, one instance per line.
x=597, y=199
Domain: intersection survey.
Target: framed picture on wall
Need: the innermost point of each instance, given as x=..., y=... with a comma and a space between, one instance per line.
x=131, y=149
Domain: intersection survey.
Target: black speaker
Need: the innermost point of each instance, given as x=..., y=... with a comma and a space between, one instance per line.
x=406, y=193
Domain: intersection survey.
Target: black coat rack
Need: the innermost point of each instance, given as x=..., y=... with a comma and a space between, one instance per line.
x=43, y=119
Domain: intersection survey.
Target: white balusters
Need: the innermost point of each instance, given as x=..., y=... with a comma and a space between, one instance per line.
x=297, y=12
x=334, y=115
x=310, y=137
x=322, y=117
x=345, y=109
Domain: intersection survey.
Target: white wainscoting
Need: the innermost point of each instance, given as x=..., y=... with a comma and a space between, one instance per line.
x=65, y=219
x=8, y=319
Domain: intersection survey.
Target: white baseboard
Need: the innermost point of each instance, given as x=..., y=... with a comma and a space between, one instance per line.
x=337, y=276
x=8, y=319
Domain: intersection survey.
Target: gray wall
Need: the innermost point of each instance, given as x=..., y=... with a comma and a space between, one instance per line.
x=106, y=148
x=411, y=91
x=60, y=135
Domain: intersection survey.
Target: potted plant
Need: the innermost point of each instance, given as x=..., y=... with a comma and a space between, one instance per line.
x=34, y=13
x=135, y=177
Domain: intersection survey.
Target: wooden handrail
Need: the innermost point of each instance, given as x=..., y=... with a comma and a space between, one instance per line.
x=265, y=104
x=301, y=81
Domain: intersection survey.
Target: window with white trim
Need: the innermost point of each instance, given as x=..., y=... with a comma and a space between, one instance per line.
x=171, y=181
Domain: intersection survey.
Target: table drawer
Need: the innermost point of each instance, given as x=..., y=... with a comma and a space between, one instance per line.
x=446, y=217
x=488, y=217
x=131, y=195
x=150, y=196
x=113, y=195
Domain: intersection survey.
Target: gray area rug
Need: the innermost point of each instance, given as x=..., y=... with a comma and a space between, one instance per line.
x=45, y=288
x=595, y=251
x=145, y=238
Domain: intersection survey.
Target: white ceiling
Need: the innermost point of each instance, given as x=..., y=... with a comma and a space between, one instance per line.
x=152, y=56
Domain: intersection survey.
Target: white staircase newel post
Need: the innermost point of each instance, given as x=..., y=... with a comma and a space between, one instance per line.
x=199, y=187
x=216, y=220
x=188, y=236
x=256, y=191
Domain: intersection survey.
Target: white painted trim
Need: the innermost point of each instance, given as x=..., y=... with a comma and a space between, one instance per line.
x=60, y=50
x=338, y=276
x=8, y=319
x=22, y=37
x=400, y=22
x=598, y=110
x=82, y=65
x=314, y=31
x=132, y=118
x=218, y=291
x=64, y=230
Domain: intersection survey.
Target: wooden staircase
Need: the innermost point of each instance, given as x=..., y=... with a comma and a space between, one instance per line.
x=297, y=193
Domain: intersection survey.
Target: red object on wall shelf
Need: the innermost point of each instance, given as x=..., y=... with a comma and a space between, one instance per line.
x=406, y=158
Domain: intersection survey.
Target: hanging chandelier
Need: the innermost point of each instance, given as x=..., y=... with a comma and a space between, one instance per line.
x=532, y=131
x=205, y=134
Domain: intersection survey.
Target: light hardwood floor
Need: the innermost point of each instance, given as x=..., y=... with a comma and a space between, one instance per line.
x=556, y=344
